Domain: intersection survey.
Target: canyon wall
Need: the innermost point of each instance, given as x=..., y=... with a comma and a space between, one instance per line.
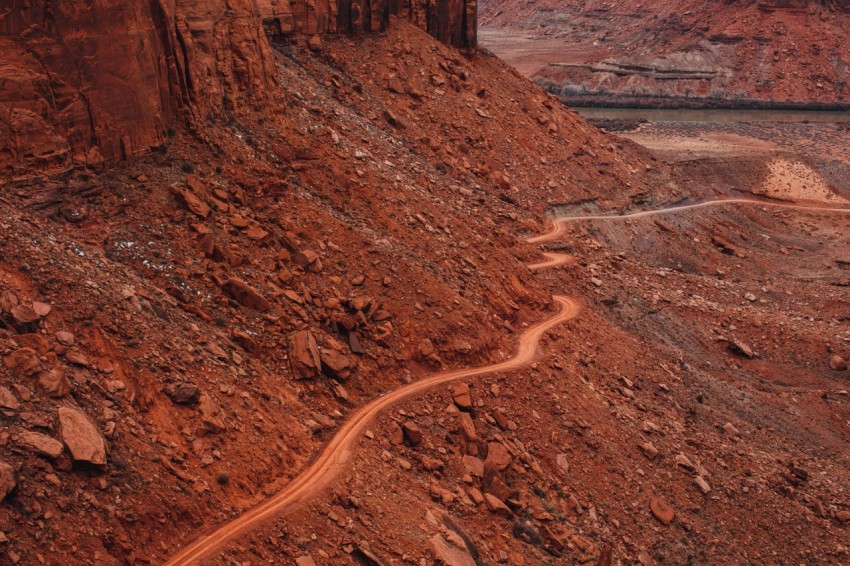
x=451, y=21
x=735, y=53
x=83, y=81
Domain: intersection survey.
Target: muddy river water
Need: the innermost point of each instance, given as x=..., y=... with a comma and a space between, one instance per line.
x=712, y=115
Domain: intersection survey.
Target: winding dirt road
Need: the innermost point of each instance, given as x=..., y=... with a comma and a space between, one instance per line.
x=338, y=451
x=559, y=227
x=553, y=260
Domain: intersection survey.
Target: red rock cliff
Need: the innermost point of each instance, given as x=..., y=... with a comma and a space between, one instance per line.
x=86, y=80
x=105, y=79
x=451, y=21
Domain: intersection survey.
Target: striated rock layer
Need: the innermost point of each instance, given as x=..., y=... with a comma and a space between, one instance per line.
x=644, y=53
x=451, y=21
x=82, y=82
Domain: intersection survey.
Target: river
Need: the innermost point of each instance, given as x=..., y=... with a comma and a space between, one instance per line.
x=712, y=115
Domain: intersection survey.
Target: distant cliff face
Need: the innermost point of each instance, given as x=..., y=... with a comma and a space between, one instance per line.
x=636, y=51
x=105, y=79
x=84, y=81
x=451, y=21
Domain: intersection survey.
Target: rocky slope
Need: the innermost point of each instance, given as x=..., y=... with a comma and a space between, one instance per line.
x=729, y=51
x=180, y=333
x=211, y=311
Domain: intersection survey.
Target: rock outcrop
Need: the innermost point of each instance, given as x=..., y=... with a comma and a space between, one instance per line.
x=83, y=82
x=454, y=23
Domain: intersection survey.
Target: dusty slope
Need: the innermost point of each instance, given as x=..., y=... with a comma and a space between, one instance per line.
x=726, y=50
x=701, y=375
x=375, y=206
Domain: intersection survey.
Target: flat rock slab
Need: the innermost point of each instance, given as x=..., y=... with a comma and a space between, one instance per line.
x=81, y=437
x=41, y=444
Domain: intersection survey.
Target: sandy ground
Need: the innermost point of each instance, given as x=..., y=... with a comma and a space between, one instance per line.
x=796, y=181
x=706, y=144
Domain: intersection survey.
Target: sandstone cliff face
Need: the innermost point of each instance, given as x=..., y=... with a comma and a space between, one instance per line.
x=86, y=81
x=451, y=21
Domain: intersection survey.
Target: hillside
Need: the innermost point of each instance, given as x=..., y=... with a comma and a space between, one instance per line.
x=309, y=226
x=358, y=209
x=730, y=52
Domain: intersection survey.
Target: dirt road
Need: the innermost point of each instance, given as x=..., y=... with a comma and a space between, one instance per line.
x=335, y=456
x=553, y=260
x=337, y=453
x=559, y=224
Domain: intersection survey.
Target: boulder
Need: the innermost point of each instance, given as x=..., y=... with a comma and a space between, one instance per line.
x=41, y=444
x=731, y=429
x=186, y=393
x=431, y=464
x=8, y=399
x=193, y=203
x=54, y=382
x=741, y=348
x=412, y=433
x=82, y=438
x=247, y=343
x=467, y=427
x=461, y=396
x=473, y=466
x=335, y=364
x=495, y=505
x=307, y=259
x=837, y=363
x=210, y=414
x=65, y=338
x=498, y=457
x=563, y=462
x=500, y=489
x=24, y=314
x=304, y=359
x=8, y=480
x=661, y=510
x=22, y=363
x=450, y=553
x=315, y=43
x=426, y=348
x=245, y=295
x=36, y=342
x=77, y=358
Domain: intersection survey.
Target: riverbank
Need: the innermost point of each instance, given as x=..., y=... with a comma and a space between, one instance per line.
x=663, y=102
x=632, y=117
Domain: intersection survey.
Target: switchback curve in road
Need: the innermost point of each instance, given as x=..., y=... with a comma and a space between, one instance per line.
x=559, y=224
x=339, y=450
x=553, y=259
